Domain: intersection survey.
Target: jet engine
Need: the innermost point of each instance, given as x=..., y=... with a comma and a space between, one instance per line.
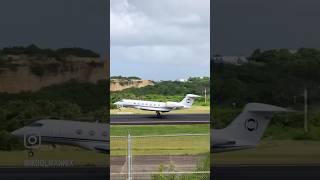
x=173, y=105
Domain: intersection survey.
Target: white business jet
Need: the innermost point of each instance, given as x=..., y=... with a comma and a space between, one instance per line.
x=91, y=136
x=158, y=106
x=246, y=130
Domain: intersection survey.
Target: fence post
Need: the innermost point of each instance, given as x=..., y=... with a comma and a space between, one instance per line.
x=129, y=160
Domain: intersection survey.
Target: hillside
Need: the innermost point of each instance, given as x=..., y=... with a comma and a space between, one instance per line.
x=278, y=77
x=166, y=91
x=31, y=68
x=119, y=83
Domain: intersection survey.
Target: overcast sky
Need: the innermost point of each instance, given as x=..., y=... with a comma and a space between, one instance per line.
x=54, y=23
x=160, y=40
x=240, y=26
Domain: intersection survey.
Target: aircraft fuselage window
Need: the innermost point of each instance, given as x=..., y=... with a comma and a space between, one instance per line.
x=91, y=133
x=36, y=124
x=79, y=131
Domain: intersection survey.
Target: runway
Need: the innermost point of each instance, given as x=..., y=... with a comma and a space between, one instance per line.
x=85, y=173
x=266, y=172
x=166, y=119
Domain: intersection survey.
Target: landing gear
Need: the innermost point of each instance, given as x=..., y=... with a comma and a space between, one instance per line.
x=30, y=153
x=158, y=114
x=119, y=107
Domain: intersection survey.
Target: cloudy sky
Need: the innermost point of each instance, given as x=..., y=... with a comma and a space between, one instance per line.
x=55, y=23
x=240, y=26
x=160, y=40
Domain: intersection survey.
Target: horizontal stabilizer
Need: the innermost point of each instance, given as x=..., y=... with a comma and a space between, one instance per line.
x=259, y=107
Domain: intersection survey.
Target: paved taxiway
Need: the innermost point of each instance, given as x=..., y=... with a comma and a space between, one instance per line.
x=266, y=172
x=54, y=173
x=150, y=119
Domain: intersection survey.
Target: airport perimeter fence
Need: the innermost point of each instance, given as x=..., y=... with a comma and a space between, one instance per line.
x=160, y=157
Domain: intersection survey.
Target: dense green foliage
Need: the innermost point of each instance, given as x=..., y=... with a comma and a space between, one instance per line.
x=70, y=100
x=33, y=50
x=273, y=76
x=166, y=91
x=276, y=77
x=125, y=78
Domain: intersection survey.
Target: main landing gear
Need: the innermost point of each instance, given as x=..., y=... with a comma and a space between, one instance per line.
x=158, y=114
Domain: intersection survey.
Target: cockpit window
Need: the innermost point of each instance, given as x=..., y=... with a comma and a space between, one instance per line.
x=36, y=124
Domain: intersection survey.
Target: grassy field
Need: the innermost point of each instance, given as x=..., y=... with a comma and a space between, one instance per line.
x=79, y=157
x=273, y=152
x=192, y=110
x=138, y=130
x=181, y=145
x=268, y=152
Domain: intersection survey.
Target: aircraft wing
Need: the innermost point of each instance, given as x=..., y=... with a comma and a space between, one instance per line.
x=154, y=109
x=98, y=147
x=102, y=148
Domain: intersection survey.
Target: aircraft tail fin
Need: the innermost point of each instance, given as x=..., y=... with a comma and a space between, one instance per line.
x=249, y=126
x=188, y=100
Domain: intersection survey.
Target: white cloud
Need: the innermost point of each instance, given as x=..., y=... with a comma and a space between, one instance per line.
x=160, y=32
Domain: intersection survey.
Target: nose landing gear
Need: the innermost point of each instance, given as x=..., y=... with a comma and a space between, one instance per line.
x=120, y=107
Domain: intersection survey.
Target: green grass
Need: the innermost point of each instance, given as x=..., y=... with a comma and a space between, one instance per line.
x=289, y=133
x=138, y=130
x=273, y=152
x=183, y=145
x=192, y=110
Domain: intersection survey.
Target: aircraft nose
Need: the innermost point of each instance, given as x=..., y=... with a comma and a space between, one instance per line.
x=16, y=132
x=117, y=103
